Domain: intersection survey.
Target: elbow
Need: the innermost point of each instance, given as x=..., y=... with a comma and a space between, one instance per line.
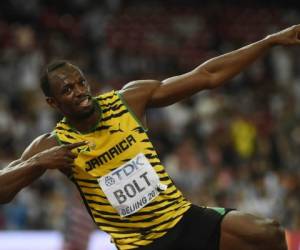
x=6, y=198
x=215, y=81
x=207, y=79
x=5, y=201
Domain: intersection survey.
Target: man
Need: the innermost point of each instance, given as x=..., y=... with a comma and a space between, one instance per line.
x=105, y=151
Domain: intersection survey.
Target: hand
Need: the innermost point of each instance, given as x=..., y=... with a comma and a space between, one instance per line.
x=289, y=36
x=59, y=157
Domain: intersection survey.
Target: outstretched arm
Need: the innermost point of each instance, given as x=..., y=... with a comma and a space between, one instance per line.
x=211, y=74
x=42, y=154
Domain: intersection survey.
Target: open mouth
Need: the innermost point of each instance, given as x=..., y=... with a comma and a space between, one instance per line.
x=84, y=102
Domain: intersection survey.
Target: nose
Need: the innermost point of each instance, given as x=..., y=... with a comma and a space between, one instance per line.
x=79, y=90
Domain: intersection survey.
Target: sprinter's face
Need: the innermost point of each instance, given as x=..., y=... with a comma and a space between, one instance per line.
x=71, y=92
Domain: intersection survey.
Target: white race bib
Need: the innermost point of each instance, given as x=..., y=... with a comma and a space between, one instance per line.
x=131, y=186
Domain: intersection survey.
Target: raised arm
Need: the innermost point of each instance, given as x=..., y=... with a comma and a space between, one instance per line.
x=42, y=154
x=211, y=74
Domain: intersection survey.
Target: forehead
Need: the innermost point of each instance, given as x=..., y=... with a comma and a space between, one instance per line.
x=64, y=75
x=66, y=72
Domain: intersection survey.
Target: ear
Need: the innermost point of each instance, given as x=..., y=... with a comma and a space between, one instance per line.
x=52, y=102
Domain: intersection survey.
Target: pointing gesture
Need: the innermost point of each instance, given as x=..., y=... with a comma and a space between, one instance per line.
x=59, y=157
x=71, y=146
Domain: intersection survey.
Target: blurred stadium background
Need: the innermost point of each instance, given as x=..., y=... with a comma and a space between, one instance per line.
x=237, y=146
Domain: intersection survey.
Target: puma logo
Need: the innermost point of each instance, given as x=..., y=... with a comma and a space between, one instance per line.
x=112, y=131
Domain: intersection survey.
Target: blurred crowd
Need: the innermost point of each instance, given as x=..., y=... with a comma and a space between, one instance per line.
x=235, y=146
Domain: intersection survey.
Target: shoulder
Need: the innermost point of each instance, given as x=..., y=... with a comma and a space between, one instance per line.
x=137, y=94
x=139, y=89
x=141, y=84
x=150, y=83
x=106, y=95
x=39, y=144
x=45, y=141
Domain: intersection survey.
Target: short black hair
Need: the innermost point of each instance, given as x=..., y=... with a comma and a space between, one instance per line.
x=44, y=80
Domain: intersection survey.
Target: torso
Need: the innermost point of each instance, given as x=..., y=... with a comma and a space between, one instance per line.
x=133, y=210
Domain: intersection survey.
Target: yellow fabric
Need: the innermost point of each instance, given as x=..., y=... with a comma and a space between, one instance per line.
x=117, y=138
x=244, y=134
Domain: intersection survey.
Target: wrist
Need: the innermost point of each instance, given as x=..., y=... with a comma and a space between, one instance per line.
x=272, y=40
x=34, y=163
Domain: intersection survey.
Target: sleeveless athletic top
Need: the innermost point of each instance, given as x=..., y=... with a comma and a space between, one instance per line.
x=120, y=177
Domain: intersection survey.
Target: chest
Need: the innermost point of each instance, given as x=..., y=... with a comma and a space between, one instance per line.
x=104, y=153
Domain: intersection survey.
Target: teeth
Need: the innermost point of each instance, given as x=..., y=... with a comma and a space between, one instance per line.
x=84, y=102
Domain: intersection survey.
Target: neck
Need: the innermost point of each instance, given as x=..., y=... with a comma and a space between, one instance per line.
x=84, y=125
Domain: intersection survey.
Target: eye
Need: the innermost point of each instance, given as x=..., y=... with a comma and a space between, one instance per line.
x=83, y=82
x=67, y=90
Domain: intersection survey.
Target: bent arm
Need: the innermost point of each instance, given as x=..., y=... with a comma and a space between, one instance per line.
x=23, y=171
x=211, y=74
x=16, y=176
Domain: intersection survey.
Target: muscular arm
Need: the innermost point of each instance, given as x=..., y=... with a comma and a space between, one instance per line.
x=211, y=74
x=42, y=154
x=25, y=170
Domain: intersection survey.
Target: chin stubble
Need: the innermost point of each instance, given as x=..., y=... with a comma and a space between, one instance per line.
x=86, y=114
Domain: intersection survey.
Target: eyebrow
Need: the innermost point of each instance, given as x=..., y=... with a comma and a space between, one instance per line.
x=66, y=84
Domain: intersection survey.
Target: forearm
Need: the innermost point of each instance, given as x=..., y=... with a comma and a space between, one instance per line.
x=213, y=73
x=225, y=67
x=14, y=178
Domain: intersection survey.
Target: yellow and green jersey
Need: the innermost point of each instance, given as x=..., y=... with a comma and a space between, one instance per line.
x=118, y=145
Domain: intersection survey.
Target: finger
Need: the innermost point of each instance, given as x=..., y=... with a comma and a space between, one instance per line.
x=75, y=145
x=298, y=34
x=67, y=167
x=70, y=155
x=68, y=159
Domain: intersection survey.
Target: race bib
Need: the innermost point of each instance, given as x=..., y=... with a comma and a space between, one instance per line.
x=131, y=186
